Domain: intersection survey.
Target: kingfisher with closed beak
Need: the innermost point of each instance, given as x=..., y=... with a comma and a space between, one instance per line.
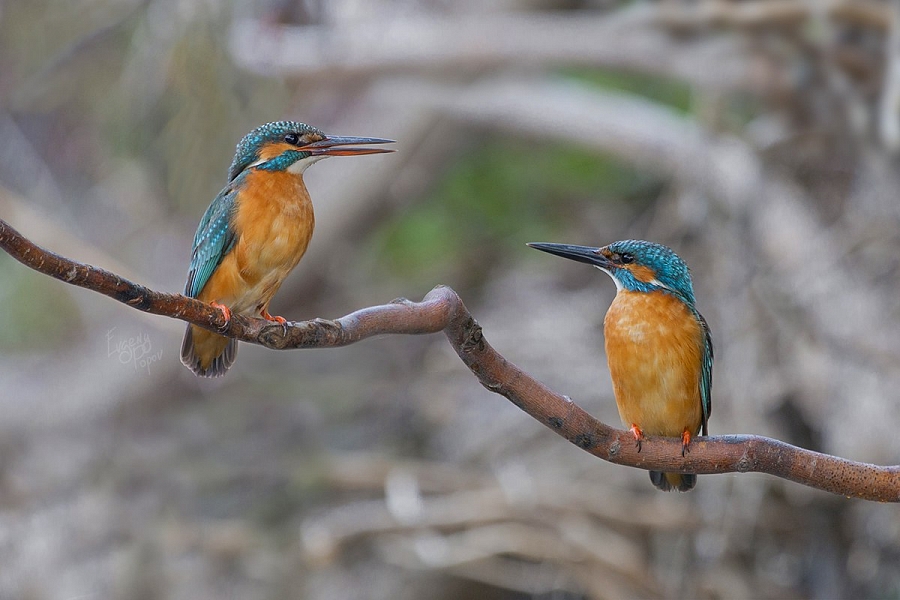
x=256, y=231
x=658, y=346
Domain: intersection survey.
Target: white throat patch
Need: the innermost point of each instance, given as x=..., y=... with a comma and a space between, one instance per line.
x=619, y=286
x=296, y=168
x=659, y=283
x=301, y=165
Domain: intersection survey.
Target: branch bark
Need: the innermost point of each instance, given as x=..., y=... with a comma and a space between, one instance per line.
x=443, y=310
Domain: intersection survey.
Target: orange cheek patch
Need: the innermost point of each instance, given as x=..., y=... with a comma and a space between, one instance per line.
x=642, y=273
x=270, y=151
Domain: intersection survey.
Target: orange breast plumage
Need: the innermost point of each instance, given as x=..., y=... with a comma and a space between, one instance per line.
x=274, y=218
x=654, y=347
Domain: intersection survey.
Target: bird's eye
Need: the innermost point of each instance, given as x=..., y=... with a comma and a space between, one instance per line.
x=292, y=138
x=626, y=258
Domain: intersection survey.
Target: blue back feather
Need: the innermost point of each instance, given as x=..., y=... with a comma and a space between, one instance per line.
x=215, y=237
x=706, y=373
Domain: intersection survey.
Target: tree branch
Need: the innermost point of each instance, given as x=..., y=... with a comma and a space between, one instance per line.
x=630, y=39
x=443, y=310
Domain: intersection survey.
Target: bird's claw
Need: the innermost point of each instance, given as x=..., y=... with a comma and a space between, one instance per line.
x=280, y=320
x=226, y=313
x=638, y=435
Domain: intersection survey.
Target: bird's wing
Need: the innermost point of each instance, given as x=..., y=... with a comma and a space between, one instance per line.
x=706, y=373
x=215, y=237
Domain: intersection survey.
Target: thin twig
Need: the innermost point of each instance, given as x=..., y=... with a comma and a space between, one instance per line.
x=443, y=310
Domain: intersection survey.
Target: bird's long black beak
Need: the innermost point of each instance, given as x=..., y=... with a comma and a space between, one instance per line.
x=337, y=146
x=585, y=254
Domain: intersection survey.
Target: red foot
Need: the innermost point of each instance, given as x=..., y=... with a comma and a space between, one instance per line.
x=685, y=442
x=281, y=320
x=268, y=317
x=226, y=313
x=638, y=435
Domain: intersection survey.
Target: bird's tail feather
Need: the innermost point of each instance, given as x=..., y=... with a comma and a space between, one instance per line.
x=667, y=482
x=206, y=353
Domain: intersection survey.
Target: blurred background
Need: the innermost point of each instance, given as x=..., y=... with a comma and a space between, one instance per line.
x=758, y=138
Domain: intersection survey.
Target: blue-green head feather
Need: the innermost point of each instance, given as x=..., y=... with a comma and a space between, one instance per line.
x=249, y=149
x=669, y=271
x=293, y=146
x=635, y=265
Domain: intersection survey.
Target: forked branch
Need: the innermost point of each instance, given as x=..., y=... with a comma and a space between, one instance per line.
x=443, y=310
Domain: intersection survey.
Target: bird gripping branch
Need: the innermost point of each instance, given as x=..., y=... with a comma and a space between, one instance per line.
x=658, y=346
x=256, y=231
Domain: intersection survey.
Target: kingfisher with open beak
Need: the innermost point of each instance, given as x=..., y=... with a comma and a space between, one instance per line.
x=658, y=346
x=256, y=231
